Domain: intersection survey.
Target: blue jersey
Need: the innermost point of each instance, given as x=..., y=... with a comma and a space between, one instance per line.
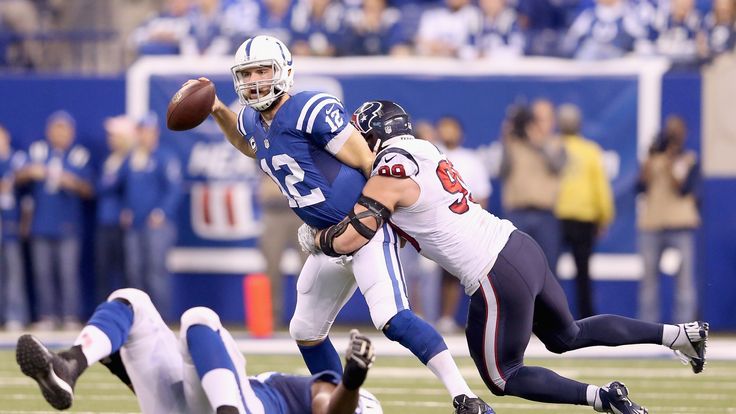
x=109, y=196
x=298, y=152
x=57, y=212
x=721, y=36
x=150, y=183
x=9, y=164
x=287, y=394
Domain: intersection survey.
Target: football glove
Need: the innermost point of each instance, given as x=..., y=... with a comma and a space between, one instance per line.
x=306, y=235
x=359, y=358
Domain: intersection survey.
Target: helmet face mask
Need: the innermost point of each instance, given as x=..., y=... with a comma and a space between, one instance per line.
x=257, y=53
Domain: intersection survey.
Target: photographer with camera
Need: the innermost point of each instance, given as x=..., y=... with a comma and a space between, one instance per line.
x=533, y=159
x=668, y=216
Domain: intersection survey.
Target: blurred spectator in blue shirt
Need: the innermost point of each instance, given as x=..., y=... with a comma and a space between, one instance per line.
x=275, y=19
x=444, y=31
x=677, y=31
x=109, y=261
x=719, y=29
x=240, y=20
x=499, y=35
x=13, y=294
x=318, y=27
x=545, y=22
x=376, y=29
x=59, y=176
x=163, y=34
x=151, y=186
x=206, y=35
x=609, y=30
x=647, y=13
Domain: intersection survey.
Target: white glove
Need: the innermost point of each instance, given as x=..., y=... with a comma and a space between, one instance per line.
x=306, y=235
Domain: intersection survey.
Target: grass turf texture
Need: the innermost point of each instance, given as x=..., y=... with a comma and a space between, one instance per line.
x=404, y=386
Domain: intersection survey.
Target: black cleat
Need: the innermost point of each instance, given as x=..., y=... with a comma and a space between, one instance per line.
x=55, y=374
x=466, y=405
x=694, y=352
x=615, y=398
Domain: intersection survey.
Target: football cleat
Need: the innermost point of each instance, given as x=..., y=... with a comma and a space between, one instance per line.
x=466, y=405
x=693, y=352
x=55, y=374
x=615, y=399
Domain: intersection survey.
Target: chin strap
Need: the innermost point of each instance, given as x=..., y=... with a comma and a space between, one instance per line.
x=375, y=209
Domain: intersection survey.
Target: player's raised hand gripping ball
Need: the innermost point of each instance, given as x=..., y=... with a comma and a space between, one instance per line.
x=190, y=105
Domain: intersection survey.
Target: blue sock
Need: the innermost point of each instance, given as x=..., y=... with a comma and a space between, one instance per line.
x=207, y=350
x=415, y=334
x=215, y=368
x=321, y=357
x=114, y=318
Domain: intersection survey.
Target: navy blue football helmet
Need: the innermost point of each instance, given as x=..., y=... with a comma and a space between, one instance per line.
x=381, y=121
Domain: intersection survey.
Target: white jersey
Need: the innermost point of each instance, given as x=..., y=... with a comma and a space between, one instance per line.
x=444, y=224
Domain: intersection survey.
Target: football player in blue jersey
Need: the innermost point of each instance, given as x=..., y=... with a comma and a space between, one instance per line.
x=200, y=372
x=305, y=143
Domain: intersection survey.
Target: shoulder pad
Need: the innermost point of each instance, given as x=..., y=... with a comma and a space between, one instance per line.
x=395, y=162
x=312, y=104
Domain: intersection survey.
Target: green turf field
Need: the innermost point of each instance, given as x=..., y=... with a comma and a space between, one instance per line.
x=404, y=386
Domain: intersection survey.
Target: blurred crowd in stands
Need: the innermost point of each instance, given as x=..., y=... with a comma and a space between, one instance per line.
x=45, y=195
x=45, y=34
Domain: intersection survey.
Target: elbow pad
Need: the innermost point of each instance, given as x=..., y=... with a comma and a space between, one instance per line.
x=378, y=211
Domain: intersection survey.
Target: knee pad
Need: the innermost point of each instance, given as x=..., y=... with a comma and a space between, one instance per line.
x=560, y=341
x=137, y=299
x=415, y=334
x=199, y=316
x=303, y=330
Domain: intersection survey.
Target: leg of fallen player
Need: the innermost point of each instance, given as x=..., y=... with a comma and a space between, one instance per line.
x=127, y=335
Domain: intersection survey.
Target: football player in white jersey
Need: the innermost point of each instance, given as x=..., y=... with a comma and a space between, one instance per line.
x=513, y=292
x=201, y=372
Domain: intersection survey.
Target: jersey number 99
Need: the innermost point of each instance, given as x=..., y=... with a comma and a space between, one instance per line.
x=453, y=184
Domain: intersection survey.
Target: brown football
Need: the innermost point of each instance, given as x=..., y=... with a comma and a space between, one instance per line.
x=190, y=105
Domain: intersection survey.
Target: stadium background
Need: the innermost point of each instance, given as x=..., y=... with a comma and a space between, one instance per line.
x=623, y=103
x=610, y=109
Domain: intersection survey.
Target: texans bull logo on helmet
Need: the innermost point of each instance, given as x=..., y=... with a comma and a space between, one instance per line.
x=364, y=116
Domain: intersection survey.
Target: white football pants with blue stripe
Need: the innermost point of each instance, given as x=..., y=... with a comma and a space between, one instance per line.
x=159, y=365
x=325, y=284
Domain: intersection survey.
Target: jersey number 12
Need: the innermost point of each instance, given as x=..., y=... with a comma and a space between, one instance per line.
x=296, y=176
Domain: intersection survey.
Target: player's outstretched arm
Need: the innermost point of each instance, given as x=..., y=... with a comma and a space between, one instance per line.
x=343, y=399
x=227, y=120
x=384, y=194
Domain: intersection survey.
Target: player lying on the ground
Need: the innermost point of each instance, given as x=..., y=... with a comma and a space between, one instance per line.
x=513, y=292
x=305, y=143
x=201, y=372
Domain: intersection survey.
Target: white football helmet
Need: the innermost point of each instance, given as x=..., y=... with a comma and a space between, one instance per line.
x=262, y=51
x=368, y=403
